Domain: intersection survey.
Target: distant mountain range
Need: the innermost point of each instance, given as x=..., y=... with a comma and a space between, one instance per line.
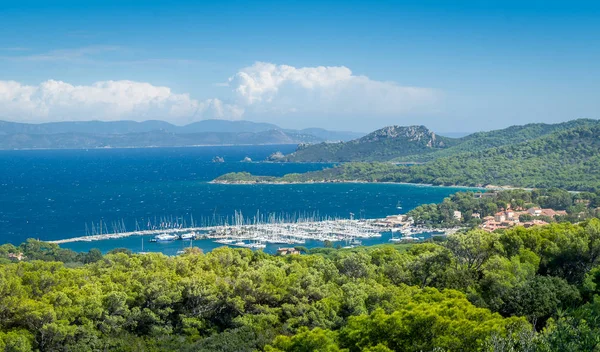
x=98, y=134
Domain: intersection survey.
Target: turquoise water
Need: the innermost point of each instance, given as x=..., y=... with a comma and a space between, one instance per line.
x=53, y=194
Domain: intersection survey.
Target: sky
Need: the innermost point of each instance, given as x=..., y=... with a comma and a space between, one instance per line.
x=454, y=66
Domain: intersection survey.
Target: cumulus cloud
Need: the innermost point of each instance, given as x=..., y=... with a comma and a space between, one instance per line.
x=266, y=87
x=263, y=91
x=107, y=100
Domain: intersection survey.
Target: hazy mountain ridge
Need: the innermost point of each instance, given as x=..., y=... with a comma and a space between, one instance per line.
x=98, y=134
x=149, y=139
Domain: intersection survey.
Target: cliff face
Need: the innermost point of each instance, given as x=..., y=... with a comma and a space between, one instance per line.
x=384, y=144
x=409, y=133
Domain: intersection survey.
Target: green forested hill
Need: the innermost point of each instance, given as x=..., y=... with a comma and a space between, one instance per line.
x=418, y=144
x=382, y=145
x=568, y=159
x=509, y=136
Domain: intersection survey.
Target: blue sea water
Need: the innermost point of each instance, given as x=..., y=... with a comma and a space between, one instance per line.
x=53, y=194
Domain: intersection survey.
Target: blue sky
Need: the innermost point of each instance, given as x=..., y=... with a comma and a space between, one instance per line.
x=355, y=65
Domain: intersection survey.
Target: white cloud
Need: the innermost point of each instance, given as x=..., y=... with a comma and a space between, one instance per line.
x=108, y=100
x=266, y=87
x=263, y=91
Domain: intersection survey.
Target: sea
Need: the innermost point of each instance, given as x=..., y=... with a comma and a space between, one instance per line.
x=59, y=194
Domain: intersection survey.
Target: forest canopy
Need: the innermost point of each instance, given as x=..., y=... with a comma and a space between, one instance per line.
x=530, y=289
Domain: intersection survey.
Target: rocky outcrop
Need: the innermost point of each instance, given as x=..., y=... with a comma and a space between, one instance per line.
x=408, y=133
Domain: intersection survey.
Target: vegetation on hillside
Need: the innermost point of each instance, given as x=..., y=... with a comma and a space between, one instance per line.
x=382, y=145
x=497, y=138
x=567, y=159
x=530, y=289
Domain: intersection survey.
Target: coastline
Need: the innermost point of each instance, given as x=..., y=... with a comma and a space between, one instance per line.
x=486, y=187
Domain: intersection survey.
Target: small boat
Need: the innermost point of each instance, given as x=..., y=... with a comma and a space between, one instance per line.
x=188, y=236
x=398, y=205
x=258, y=245
x=165, y=237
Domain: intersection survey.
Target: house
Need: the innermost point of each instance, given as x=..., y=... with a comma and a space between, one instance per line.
x=16, y=256
x=476, y=215
x=534, y=211
x=286, y=251
x=492, y=225
x=457, y=215
x=500, y=216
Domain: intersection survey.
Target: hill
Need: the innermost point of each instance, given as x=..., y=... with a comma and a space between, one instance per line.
x=382, y=145
x=568, y=159
x=418, y=144
x=507, y=136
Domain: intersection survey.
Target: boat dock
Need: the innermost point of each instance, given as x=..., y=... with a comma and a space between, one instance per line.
x=256, y=234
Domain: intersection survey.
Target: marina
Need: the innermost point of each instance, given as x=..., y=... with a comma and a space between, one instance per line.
x=260, y=231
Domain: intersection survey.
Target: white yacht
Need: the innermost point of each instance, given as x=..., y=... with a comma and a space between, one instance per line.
x=165, y=237
x=188, y=236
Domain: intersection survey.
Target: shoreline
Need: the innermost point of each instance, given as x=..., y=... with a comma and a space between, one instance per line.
x=487, y=187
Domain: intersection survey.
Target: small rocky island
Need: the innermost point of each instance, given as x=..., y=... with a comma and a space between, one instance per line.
x=247, y=160
x=218, y=159
x=277, y=156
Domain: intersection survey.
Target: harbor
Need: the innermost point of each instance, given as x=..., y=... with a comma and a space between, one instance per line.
x=260, y=232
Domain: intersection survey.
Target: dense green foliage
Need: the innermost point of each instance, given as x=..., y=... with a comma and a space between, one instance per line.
x=476, y=291
x=403, y=147
x=579, y=206
x=567, y=159
x=382, y=145
x=504, y=137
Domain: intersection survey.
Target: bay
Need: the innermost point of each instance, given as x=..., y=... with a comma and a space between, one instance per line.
x=54, y=194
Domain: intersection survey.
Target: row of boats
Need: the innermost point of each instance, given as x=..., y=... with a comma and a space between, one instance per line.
x=257, y=236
